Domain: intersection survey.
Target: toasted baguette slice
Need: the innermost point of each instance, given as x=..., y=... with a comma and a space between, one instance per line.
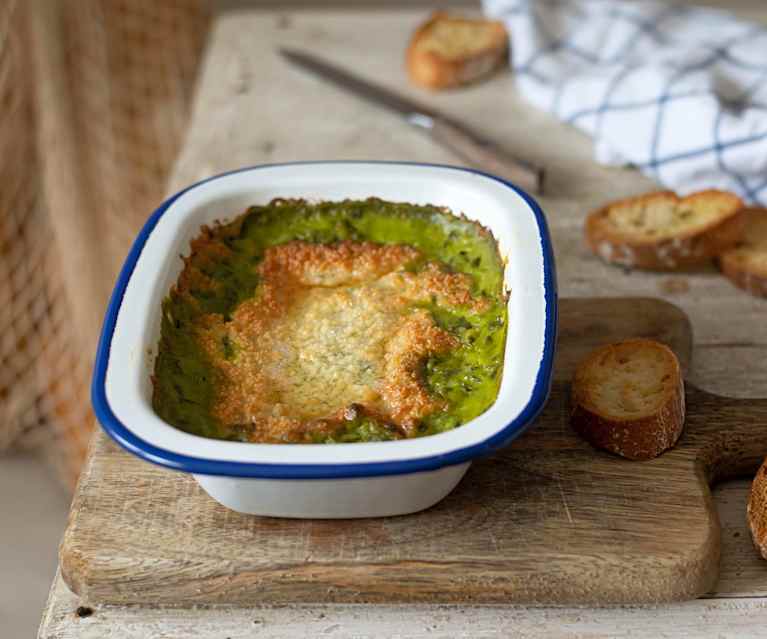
x=757, y=510
x=746, y=264
x=449, y=51
x=661, y=231
x=628, y=398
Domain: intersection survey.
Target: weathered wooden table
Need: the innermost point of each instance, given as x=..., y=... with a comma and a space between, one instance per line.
x=252, y=108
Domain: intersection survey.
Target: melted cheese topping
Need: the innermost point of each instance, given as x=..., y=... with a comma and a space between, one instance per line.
x=333, y=331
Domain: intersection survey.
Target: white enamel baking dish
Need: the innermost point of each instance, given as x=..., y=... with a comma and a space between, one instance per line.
x=334, y=480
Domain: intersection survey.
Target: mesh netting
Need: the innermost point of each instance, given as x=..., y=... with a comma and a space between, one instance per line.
x=94, y=99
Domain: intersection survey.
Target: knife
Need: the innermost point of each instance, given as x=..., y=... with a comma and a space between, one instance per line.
x=453, y=135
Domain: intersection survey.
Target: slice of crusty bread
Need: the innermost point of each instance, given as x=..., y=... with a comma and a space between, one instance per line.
x=746, y=264
x=661, y=231
x=628, y=398
x=757, y=510
x=449, y=51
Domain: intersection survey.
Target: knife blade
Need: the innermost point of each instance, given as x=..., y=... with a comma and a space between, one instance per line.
x=455, y=136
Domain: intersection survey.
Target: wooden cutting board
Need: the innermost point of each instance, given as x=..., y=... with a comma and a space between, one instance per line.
x=547, y=520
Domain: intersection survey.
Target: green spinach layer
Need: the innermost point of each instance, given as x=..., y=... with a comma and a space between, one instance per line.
x=224, y=273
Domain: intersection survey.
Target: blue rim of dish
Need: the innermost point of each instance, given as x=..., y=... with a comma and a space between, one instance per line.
x=202, y=466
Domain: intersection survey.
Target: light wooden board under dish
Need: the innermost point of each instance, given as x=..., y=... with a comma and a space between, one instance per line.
x=548, y=520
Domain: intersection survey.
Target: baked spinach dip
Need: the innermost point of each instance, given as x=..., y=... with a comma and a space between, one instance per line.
x=332, y=322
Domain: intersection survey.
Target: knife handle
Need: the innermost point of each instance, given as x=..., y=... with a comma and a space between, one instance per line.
x=486, y=156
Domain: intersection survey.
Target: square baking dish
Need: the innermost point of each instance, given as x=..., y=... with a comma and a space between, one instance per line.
x=330, y=480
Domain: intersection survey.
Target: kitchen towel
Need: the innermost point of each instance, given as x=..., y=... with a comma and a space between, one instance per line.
x=679, y=92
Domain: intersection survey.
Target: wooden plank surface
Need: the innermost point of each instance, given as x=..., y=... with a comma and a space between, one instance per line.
x=252, y=109
x=714, y=618
x=237, y=122
x=547, y=520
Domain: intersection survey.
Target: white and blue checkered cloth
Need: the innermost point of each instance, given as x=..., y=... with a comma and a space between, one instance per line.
x=679, y=92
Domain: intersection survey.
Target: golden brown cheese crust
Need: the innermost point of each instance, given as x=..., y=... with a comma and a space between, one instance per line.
x=332, y=331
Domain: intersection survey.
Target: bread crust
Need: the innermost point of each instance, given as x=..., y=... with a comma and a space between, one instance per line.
x=433, y=71
x=749, y=281
x=756, y=510
x=636, y=439
x=753, y=280
x=689, y=248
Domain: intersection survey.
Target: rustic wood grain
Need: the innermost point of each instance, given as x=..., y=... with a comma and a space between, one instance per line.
x=483, y=154
x=235, y=123
x=252, y=109
x=743, y=572
x=548, y=520
x=709, y=618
